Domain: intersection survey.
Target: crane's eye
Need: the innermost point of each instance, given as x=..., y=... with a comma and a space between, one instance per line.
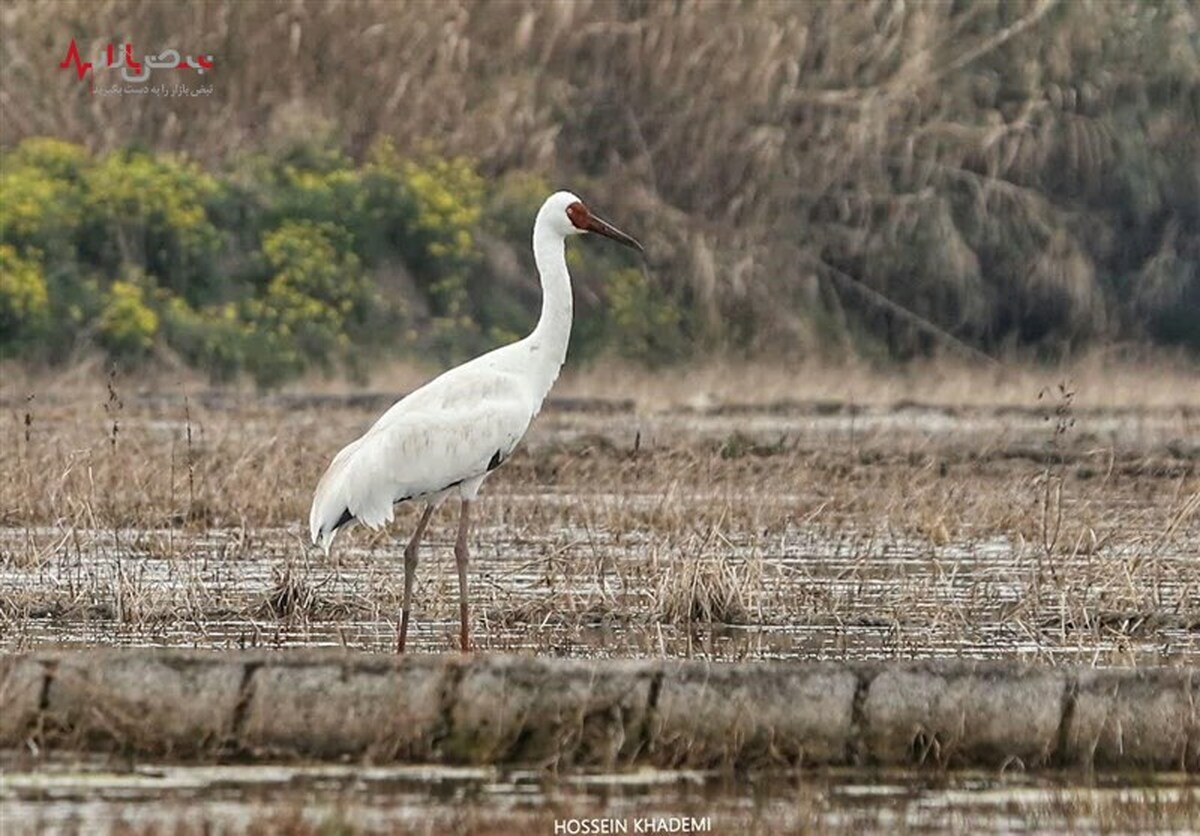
x=579, y=216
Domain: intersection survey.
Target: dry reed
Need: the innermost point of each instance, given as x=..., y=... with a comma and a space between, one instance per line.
x=874, y=528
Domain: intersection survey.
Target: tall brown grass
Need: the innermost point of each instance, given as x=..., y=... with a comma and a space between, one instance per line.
x=136, y=513
x=1007, y=171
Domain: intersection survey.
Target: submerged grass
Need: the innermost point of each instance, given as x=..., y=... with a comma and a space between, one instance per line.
x=798, y=526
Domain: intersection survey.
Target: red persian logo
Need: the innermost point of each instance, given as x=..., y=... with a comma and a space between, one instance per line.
x=133, y=71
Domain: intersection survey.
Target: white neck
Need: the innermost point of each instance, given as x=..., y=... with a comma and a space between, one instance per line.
x=548, y=342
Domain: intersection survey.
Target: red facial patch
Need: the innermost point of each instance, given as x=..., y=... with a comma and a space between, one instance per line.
x=579, y=216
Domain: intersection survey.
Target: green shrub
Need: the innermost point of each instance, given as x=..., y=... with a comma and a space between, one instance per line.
x=56, y=157
x=128, y=325
x=447, y=200
x=317, y=297
x=150, y=213
x=316, y=260
x=440, y=203
x=38, y=209
x=443, y=201
x=643, y=324
x=334, y=196
x=214, y=338
x=264, y=270
x=24, y=301
x=512, y=204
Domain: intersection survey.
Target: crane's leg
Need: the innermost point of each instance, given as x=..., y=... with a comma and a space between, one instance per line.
x=461, y=557
x=410, y=571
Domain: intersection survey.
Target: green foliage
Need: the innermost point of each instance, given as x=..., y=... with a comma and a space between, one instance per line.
x=268, y=269
x=512, y=204
x=314, y=259
x=215, y=338
x=644, y=324
x=333, y=196
x=446, y=199
x=150, y=213
x=317, y=295
x=24, y=301
x=128, y=325
x=442, y=200
x=430, y=210
x=38, y=208
x=55, y=157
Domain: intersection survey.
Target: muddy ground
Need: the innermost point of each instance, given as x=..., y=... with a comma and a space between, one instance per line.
x=803, y=528
x=793, y=530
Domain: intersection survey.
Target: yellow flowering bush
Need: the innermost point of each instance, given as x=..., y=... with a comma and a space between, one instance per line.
x=128, y=325
x=269, y=267
x=313, y=260
x=316, y=295
x=214, y=338
x=24, y=302
x=150, y=213
x=444, y=202
x=334, y=196
x=512, y=204
x=56, y=157
x=448, y=196
x=37, y=208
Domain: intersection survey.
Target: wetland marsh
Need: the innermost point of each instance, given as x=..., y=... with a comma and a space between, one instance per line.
x=1053, y=531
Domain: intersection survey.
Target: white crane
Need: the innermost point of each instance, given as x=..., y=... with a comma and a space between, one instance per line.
x=448, y=435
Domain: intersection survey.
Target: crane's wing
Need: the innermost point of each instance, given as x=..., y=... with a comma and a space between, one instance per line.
x=453, y=430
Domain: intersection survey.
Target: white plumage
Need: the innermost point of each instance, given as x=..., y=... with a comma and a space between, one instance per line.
x=446, y=436
x=441, y=437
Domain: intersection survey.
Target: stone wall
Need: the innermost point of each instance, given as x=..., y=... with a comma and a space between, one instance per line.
x=596, y=713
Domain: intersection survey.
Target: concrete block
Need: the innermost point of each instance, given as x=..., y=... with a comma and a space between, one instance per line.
x=380, y=708
x=162, y=703
x=21, y=682
x=521, y=709
x=1141, y=718
x=753, y=714
x=963, y=714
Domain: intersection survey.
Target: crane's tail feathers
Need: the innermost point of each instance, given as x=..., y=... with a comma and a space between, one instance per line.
x=330, y=504
x=324, y=541
x=323, y=532
x=323, y=523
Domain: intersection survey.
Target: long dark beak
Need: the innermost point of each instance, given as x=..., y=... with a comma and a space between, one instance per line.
x=603, y=227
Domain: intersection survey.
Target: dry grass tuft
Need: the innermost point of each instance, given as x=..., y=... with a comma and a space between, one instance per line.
x=704, y=592
x=704, y=583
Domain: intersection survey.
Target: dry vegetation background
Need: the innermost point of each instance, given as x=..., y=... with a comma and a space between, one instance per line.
x=814, y=181
x=1013, y=173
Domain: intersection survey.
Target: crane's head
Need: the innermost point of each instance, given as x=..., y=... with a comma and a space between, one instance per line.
x=567, y=215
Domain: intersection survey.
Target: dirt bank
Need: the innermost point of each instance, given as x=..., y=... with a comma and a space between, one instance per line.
x=540, y=711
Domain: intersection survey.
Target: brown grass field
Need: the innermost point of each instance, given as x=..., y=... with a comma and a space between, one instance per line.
x=833, y=513
x=722, y=512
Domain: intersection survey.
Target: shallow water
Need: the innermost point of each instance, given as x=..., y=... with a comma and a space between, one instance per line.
x=619, y=572
x=589, y=592
x=100, y=797
x=610, y=566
